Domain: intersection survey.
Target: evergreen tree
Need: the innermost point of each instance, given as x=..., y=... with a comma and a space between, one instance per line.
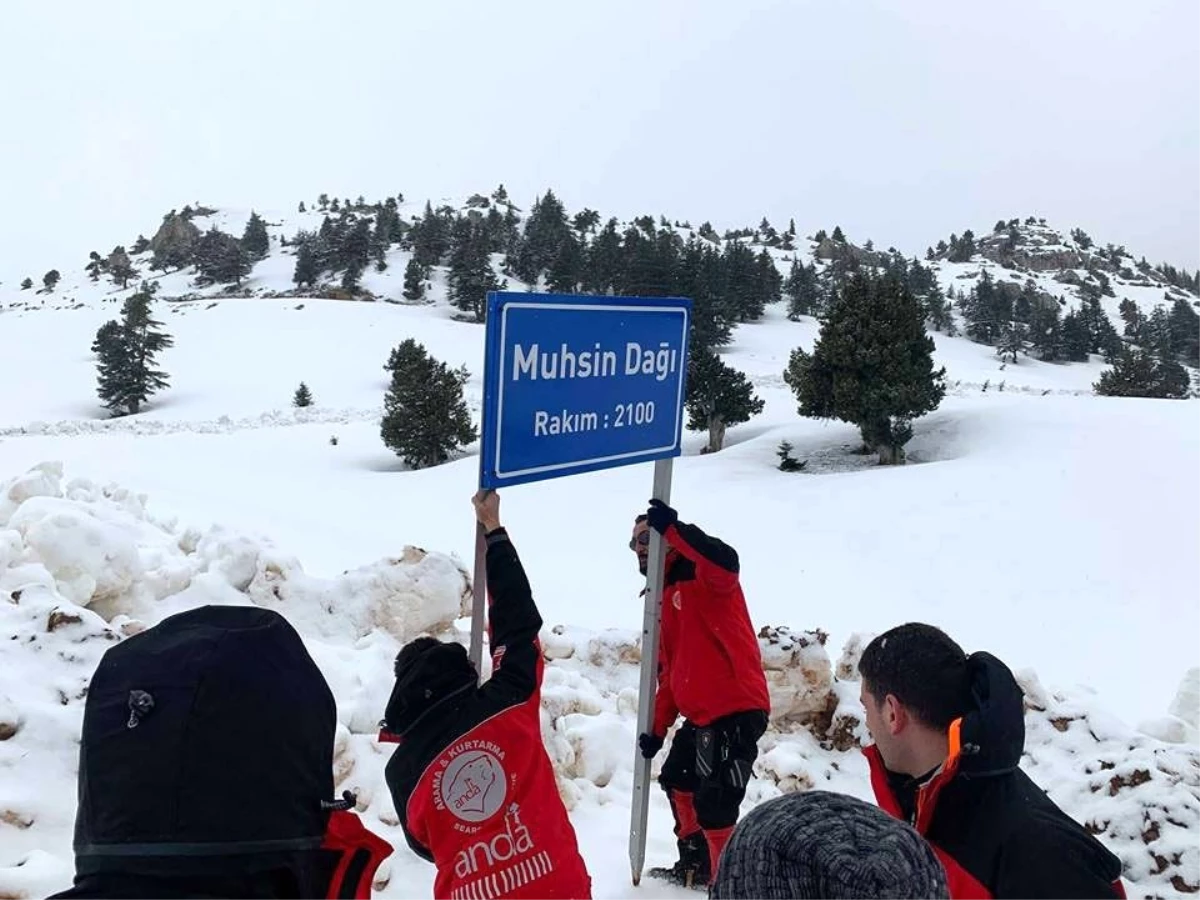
x=1014, y=340
x=745, y=296
x=1076, y=339
x=109, y=332
x=820, y=236
x=603, y=261
x=352, y=278
x=220, y=259
x=987, y=310
x=1045, y=331
x=307, y=272
x=1157, y=334
x=127, y=350
x=718, y=396
x=255, y=240
x=95, y=266
x=26, y=284
x=872, y=364
x=801, y=290
x=120, y=267
x=425, y=418
x=698, y=276
x=837, y=235
x=303, y=396
x=323, y=202
x=354, y=251
x=1102, y=336
x=1135, y=321
x=471, y=275
x=962, y=249
x=414, y=280
x=141, y=245
x=430, y=237
x=1184, y=332
x=585, y=223
x=1140, y=373
x=50, y=279
x=301, y=207
x=566, y=270
x=544, y=234
x=381, y=238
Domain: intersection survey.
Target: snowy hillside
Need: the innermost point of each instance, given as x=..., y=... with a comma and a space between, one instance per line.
x=1061, y=265
x=1055, y=528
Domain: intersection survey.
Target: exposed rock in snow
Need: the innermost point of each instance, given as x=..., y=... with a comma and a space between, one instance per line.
x=847, y=664
x=799, y=675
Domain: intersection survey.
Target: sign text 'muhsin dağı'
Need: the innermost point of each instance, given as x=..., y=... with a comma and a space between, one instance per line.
x=533, y=362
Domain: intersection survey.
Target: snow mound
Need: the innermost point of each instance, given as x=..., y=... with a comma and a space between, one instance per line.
x=84, y=566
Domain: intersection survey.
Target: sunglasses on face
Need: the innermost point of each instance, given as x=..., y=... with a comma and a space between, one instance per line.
x=642, y=540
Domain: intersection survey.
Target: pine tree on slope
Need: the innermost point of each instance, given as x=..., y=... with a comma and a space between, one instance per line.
x=414, y=280
x=255, y=240
x=718, y=396
x=126, y=374
x=1140, y=373
x=872, y=364
x=425, y=418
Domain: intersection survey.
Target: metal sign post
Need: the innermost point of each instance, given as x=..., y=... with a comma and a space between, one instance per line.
x=640, y=810
x=478, y=600
x=576, y=384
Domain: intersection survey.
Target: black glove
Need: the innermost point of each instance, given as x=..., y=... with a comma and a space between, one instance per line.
x=649, y=744
x=660, y=517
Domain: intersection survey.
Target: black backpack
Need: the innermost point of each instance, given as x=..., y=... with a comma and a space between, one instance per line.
x=207, y=753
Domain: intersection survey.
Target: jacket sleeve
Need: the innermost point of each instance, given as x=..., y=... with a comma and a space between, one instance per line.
x=513, y=624
x=1034, y=863
x=665, y=709
x=715, y=561
x=414, y=842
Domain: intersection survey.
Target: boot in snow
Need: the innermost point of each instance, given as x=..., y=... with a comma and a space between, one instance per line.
x=692, y=869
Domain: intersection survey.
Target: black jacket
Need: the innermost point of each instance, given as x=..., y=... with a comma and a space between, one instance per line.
x=997, y=832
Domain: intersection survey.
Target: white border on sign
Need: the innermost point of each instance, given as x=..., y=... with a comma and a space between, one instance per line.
x=682, y=311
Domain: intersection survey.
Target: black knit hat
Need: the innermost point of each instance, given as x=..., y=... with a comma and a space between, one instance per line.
x=818, y=844
x=427, y=671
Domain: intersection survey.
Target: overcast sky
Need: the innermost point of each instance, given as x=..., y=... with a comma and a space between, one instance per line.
x=899, y=121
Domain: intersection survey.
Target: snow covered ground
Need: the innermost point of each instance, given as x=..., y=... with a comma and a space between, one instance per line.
x=1057, y=529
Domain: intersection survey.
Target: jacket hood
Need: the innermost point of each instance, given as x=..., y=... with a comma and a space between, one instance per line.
x=207, y=749
x=991, y=735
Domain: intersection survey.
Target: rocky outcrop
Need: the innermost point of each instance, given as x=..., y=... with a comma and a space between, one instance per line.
x=829, y=249
x=175, y=238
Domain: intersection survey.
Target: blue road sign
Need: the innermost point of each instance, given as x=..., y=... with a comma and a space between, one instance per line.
x=573, y=384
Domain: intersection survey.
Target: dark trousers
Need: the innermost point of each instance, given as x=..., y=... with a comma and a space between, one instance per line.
x=714, y=767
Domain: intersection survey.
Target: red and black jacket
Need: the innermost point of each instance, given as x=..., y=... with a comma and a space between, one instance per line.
x=995, y=831
x=471, y=779
x=709, y=661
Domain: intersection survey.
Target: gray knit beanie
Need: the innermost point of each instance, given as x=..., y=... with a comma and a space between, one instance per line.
x=818, y=844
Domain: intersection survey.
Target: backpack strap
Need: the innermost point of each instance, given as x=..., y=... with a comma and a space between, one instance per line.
x=359, y=851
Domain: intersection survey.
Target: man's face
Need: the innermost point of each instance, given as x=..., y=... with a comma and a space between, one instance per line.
x=639, y=543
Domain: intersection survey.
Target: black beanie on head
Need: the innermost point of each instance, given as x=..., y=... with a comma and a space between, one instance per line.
x=427, y=670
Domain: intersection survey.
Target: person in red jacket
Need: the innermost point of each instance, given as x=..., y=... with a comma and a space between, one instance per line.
x=710, y=670
x=949, y=731
x=472, y=782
